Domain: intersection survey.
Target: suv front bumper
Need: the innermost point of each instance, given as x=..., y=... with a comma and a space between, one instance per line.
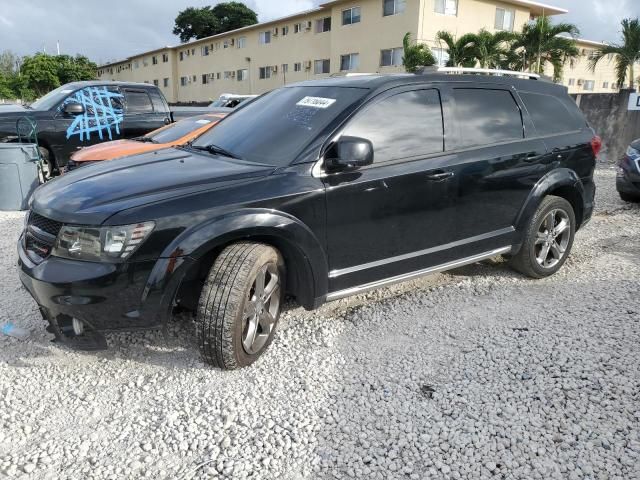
x=103, y=296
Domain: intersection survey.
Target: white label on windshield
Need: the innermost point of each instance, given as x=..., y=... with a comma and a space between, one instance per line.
x=316, y=102
x=203, y=122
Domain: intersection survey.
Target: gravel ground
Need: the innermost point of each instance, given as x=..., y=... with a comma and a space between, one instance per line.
x=472, y=374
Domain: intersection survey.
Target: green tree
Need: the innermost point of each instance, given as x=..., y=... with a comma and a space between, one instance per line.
x=75, y=69
x=542, y=42
x=5, y=87
x=416, y=55
x=41, y=73
x=491, y=49
x=626, y=53
x=206, y=21
x=460, y=50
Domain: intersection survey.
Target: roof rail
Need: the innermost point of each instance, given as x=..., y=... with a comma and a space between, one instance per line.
x=490, y=71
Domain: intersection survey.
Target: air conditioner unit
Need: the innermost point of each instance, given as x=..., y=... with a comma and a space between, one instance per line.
x=580, y=81
x=307, y=65
x=274, y=69
x=274, y=31
x=308, y=25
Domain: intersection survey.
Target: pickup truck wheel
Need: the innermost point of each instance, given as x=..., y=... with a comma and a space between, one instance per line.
x=547, y=240
x=240, y=305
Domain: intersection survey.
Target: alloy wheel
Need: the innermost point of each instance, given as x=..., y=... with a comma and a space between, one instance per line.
x=261, y=309
x=552, y=238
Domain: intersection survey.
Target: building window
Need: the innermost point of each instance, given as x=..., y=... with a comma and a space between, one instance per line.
x=605, y=84
x=136, y=64
x=442, y=56
x=227, y=43
x=572, y=82
x=323, y=25
x=154, y=60
x=218, y=76
x=504, y=19
x=285, y=68
x=446, y=7
x=391, y=57
x=285, y=30
x=242, y=75
x=392, y=7
x=589, y=84
x=351, y=16
x=297, y=67
x=205, y=78
x=184, y=81
x=193, y=51
x=205, y=51
x=349, y=61
x=265, y=37
x=321, y=66
x=156, y=82
x=165, y=57
x=181, y=56
x=165, y=82
x=242, y=42
x=228, y=74
x=297, y=28
x=265, y=72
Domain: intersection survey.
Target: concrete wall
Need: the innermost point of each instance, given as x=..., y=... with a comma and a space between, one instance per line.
x=608, y=115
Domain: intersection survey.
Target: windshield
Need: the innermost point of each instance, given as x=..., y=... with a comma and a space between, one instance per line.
x=53, y=98
x=175, y=131
x=276, y=127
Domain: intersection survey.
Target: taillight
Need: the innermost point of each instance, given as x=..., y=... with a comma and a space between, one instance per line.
x=596, y=145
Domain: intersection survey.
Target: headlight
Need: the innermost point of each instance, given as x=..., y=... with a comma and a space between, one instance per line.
x=633, y=153
x=101, y=244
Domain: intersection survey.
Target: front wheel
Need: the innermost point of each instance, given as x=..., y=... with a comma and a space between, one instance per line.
x=240, y=305
x=547, y=240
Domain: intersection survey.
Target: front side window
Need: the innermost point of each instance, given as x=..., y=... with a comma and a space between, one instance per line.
x=485, y=117
x=351, y=16
x=391, y=57
x=138, y=101
x=549, y=114
x=392, y=7
x=446, y=7
x=321, y=66
x=323, y=25
x=350, y=61
x=405, y=125
x=296, y=116
x=504, y=19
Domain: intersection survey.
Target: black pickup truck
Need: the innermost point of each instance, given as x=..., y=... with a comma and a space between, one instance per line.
x=80, y=114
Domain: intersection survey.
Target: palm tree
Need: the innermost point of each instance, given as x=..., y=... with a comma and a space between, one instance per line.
x=491, y=49
x=627, y=53
x=541, y=42
x=460, y=50
x=416, y=55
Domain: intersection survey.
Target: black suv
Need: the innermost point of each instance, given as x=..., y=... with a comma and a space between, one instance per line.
x=318, y=190
x=80, y=114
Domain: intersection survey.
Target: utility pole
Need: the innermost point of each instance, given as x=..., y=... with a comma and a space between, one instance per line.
x=58, y=46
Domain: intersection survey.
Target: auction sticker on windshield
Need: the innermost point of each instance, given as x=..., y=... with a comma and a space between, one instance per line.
x=316, y=102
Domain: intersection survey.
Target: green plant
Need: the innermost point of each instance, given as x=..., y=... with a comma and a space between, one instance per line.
x=491, y=49
x=460, y=50
x=206, y=21
x=416, y=55
x=627, y=54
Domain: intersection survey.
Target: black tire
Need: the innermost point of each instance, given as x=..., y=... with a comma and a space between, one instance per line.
x=627, y=197
x=527, y=261
x=222, y=327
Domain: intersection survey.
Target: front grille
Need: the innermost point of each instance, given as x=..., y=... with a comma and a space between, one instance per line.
x=46, y=225
x=40, y=236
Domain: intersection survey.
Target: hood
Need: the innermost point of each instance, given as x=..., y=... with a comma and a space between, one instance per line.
x=11, y=107
x=114, y=149
x=92, y=194
x=636, y=144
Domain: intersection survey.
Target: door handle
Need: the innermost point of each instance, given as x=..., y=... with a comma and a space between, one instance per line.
x=531, y=157
x=440, y=175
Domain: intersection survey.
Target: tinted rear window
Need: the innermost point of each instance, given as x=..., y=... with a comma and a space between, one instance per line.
x=550, y=115
x=486, y=116
x=138, y=101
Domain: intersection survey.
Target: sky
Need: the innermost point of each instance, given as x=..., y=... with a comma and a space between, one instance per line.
x=123, y=28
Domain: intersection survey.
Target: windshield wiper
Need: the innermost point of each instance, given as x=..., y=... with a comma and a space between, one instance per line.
x=216, y=150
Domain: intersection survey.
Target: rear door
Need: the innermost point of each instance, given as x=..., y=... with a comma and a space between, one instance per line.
x=141, y=115
x=498, y=160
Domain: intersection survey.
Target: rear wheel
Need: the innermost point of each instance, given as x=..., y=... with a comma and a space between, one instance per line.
x=240, y=305
x=547, y=240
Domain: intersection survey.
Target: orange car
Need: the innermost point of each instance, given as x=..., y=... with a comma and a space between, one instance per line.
x=170, y=135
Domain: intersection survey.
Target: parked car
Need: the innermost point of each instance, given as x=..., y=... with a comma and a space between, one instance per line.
x=225, y=104
x=178, y=133
x=80, y=114
x=230, y=100
x=318, y=190
x=628, y=177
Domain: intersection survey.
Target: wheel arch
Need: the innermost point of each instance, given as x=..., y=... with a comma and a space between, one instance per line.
x=305, y=260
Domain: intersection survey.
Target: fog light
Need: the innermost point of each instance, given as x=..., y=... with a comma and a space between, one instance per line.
x=78, y=326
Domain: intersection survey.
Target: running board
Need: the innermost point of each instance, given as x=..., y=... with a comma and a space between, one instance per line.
x=418, y=273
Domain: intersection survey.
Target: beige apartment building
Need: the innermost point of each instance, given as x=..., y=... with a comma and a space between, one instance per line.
x=340, y=36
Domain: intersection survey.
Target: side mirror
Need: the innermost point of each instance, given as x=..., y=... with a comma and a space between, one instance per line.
x=349, y=153
x=74, y=108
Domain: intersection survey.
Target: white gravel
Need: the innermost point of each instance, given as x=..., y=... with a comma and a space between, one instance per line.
x=472, y=374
